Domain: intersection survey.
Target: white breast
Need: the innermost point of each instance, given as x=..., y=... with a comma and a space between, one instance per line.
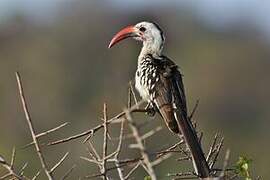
x=140, y=88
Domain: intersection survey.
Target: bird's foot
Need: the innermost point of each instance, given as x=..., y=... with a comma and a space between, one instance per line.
x=150, y=110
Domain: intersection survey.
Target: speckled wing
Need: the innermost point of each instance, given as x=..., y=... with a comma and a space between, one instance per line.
x=178, y=92
x=165, y=99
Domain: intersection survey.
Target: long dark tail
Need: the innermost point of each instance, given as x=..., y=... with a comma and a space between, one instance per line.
x=171, y=102
x=186, y=128
x=199, y=162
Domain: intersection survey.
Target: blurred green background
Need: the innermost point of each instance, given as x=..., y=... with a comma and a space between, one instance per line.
x=60, y=49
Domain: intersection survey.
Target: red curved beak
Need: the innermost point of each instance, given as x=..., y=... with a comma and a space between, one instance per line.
x=129, y=31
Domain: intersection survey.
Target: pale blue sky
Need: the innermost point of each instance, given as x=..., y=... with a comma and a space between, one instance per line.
x=219, y=13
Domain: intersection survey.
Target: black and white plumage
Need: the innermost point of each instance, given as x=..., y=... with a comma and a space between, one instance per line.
x=153, y=81
x=159, y=82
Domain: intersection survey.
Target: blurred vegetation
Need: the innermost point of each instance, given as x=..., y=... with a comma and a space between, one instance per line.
x=243, y=166
x=68, y=73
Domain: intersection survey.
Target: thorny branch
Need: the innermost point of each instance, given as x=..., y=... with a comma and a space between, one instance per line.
x=48, y=172
x=105, y=143
x=118, y=150
x=46, y=133
x=91, y=131
x=10, y=168
x=31, y=128
x=147, y=160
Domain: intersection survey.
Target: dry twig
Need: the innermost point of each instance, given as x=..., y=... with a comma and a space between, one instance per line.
x=35, y=136
x=105, y=143
x=31, y=128
x=59, y=162
x=225, y=163
x=46, y=133
x=118, y=150
x=10, y=168
x=146, y=160
x=91, y=131
x=102, y=160
x=68, y=172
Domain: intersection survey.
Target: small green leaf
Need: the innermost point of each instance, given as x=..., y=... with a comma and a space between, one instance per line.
x=242, y=167
x=147, y=178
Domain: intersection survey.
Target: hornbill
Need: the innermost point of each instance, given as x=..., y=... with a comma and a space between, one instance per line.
x=159, y=82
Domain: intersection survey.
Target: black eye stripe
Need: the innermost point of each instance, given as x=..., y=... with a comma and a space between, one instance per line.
x=142, y=29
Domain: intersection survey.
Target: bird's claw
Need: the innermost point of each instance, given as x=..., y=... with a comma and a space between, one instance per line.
x=150, y=110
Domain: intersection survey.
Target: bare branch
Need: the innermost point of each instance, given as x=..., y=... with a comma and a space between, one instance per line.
x=105, y=143
x=91, y=160
x=211, y=165
x=185, y=175
x=52, y=130
x=59, y=163
x=118, y=150
x=91, y=131
x=210, y=153
x=185, y=158
x=68, y=172
x=132, y=170
x=36, y=175
x=101, y=174
x=161, y=159
x=132, y=160
x=13, y=157
x=45, y=133
x=152, y=132
x=31, y=127
x=10, y=170
x=104, y=159
x=194, y=109
x=225, y=163
x=146, y=161
x=168, y=150
x=185, y=152
x=95, y=155
x=133, y=93
x=22, y=169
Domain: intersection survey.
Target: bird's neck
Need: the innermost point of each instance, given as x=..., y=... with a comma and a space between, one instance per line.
x=154, y=49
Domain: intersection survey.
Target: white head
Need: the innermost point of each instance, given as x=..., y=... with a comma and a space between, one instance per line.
x=149, y=33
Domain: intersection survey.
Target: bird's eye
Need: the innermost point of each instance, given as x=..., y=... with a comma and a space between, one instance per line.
x=142, y=29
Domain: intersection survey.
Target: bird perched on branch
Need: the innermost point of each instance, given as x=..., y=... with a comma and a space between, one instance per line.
x=159, y=82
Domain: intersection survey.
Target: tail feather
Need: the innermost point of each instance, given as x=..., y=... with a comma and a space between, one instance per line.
x=192, y=142
x=199, y=162
x=167, y=113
